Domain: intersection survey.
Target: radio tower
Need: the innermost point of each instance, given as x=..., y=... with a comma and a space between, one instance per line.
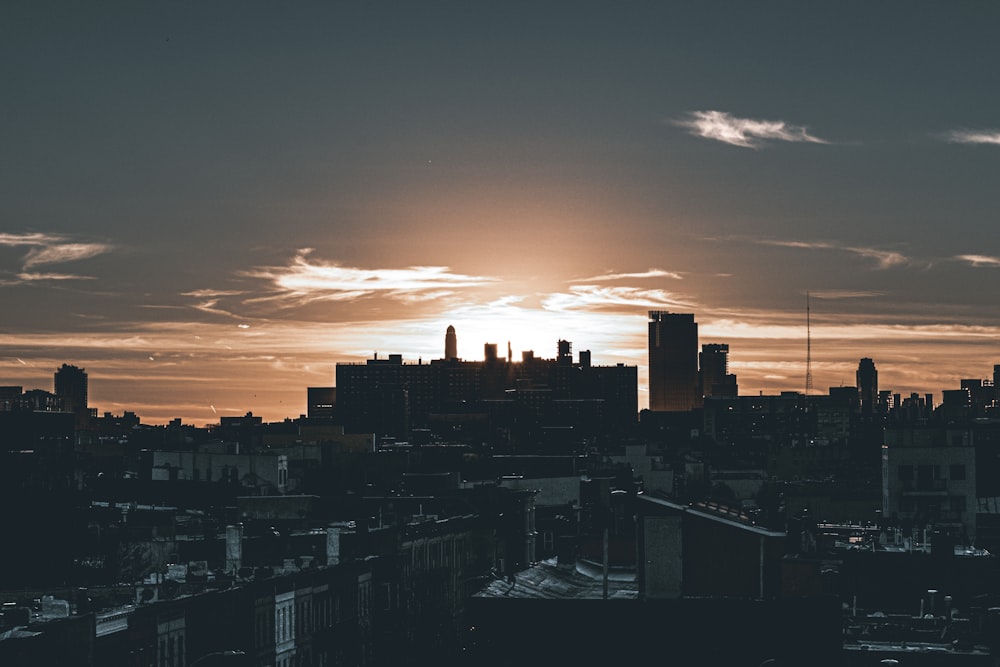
x=809, y=372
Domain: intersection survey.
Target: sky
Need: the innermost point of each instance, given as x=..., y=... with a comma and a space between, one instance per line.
x=208, y=205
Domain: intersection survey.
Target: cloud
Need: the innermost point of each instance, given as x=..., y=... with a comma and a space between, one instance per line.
x=884, y=258
x=744, y=132
x=595, y=297
x=33, y=238
x=209, y=306
x=832, y=295
x=34, y=277
x=45, y=249
x=651, y=273
x=211, y=293
x=58, y=253
x=979, y=260
x=989, y=137
x=305, y=280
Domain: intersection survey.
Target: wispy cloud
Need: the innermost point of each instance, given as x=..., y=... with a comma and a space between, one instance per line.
x=744, y=132
x=597, y=297
x=836, y=295
x=305, y=280
x=651, y=273
x=989, y=137
x=883, y=258
x=979, y=260
x=46, y=249
x=58, y=253
x=32, y=238
x=209, y=306
x=35, y=277
x=211, y=293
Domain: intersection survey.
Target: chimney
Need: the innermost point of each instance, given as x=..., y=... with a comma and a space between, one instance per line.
x=234, y=547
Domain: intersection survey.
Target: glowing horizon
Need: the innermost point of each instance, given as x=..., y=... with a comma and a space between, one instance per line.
x=198, y=371
x=209, y=223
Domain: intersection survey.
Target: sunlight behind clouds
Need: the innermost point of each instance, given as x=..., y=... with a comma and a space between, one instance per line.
x=305, y=280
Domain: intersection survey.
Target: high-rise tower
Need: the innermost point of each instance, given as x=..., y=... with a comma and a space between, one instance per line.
x=450, y=344
x=867, y=377
x=673, y=361
x=71, y=388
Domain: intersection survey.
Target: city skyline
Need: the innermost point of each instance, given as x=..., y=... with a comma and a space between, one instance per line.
x=208, y=207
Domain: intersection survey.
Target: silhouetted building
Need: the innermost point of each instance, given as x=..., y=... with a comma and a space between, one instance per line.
x=322, y=402
x=450, y=344
x=704, y=549
x=996, y=383
x=929, y=475
x=10, y=397
x=867, y=377
x=714, y=376
x=536, y=396
x=71, y=389
x=565, y=357
x=673, y=361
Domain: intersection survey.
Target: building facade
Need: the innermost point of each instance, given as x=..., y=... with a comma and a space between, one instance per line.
x=673, y=361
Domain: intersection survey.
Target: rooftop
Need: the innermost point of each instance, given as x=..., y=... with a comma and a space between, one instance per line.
x=550, y=580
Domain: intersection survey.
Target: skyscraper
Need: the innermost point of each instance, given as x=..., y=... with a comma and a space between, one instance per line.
x=673, y=361
x=450, y=344
x=867, y=378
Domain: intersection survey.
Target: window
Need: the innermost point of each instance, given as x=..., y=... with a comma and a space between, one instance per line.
x=957, y=472
x=385, y=597
x=905, y=473
x=926, y=473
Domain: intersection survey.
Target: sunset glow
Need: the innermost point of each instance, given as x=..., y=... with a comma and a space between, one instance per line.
x=209, y=223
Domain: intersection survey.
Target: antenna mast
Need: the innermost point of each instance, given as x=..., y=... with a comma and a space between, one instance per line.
x=809, y=372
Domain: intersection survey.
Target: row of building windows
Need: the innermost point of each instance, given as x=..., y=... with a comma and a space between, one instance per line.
x=909, y=473
x=954, y=504
x=284, y=624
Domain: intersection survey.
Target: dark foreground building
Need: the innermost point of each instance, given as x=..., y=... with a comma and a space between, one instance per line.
x=699, y=631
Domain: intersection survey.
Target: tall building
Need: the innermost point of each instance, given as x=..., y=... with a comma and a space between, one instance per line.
x=565, y=353
x=996, y=383
x=867, y=378
x=450, y=344
x=673, y=361
x=71, y=388
x=713, y=361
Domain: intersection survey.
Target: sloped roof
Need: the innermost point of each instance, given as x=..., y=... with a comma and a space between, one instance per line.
x=549, y=580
